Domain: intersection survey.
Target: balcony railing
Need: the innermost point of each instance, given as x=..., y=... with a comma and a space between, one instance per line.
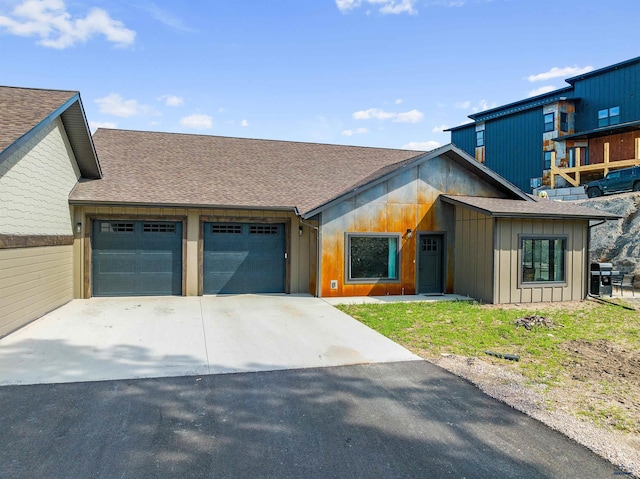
x=572, y=175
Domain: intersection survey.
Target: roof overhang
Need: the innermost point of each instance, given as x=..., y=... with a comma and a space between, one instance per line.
x=181, y=205
x=452, y=153
x=75, y=124
x=603, y=131
x=515, y=209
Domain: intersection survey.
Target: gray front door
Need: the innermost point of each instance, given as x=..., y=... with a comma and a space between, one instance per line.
x=430, y=248
x=244, y=258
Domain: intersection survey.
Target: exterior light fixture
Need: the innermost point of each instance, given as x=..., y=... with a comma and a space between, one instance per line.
x=409, y=233
x=300, y=231
x=78, y=228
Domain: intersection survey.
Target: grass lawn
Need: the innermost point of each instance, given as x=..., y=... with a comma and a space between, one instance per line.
x=592, y=352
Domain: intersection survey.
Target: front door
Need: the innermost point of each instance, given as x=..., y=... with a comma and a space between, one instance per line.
x=430, y=248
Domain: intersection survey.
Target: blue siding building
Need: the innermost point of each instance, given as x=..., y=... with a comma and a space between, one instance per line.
x=565, y=137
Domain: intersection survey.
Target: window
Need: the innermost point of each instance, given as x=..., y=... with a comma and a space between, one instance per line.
x=113, y=227
x=609, y=116
x=159, y=228
x=264, y=230
x=548, y=122
x=372, y=257
x=543, y=259
x=226, y=229
x=564, y=121
x=548, y=158
x=479, y=138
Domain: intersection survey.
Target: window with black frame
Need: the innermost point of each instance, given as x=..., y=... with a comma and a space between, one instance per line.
x=373, y=257
x=543, y=259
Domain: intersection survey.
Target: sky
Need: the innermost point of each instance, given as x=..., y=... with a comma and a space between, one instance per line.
x=378, y=73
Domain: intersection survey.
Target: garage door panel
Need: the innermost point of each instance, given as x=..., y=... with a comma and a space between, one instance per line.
x=244, y=258
x=133, y=258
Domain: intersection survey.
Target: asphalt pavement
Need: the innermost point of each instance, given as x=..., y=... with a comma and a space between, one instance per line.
x=387, y=420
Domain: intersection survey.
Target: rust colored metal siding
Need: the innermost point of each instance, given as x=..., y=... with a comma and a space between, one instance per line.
x=407, y=201
x=621, y=147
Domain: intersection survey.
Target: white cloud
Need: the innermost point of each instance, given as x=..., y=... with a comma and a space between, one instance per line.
x=165, y=17
x=483, y=105
x=440, y=128
x=541, y=91
x=463, y=105
x=114, y=104
x=413, y=116
x=172, y=100
x=197, y=121
x=56, y=28
x=384, y=6
x=94, y=125
x=357, y=131
x=556, y=72
x=398, y=101
x=421, y=145
x=244, y=123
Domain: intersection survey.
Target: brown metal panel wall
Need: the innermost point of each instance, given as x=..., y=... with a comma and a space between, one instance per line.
x=621, y=147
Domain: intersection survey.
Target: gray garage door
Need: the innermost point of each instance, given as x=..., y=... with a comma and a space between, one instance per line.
x=136, y=258
x=244, y=258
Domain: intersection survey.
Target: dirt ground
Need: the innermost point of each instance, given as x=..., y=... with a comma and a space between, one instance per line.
x=597, y=404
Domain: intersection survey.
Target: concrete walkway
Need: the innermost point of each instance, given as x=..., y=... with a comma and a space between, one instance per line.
x=129, y=338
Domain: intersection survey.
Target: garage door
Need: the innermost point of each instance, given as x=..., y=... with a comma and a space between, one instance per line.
x=136, y=258
x=244, y=258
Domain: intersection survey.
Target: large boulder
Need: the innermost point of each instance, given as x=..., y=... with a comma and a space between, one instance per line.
x=617, y=241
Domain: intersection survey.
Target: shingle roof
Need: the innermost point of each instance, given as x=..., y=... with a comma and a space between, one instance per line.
x=153, y=168
x=22, y=109
x=541, y=208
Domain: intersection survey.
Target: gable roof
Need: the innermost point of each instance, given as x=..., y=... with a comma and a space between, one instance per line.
x=24, y=111
x=451, y=152
x=538, y=209
x=175, y=169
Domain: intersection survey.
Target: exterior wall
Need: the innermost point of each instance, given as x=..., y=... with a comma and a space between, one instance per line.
x=300, y=246
x=33, y=281
x=621, y=147
x=507, y=288
x=35, y=182
x=408, y=200
x=513, y=145
x=474, y=255
x=36, y=232
x=616, y=87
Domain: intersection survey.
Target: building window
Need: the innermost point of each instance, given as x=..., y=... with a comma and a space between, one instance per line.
x=479, y=138
x=543, y=259
x=564, y=121
x=548, y=122
x=372, y=257
x=548, y=158
x=609, y=116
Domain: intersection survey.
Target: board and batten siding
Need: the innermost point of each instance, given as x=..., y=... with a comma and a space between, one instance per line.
x=474, y=255
x=35, y=182
x=507, y=287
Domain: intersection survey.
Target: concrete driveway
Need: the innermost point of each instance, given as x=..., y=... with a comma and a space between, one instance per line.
x=129, y=338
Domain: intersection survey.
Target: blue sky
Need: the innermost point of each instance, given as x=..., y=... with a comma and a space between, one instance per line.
x=384, y=73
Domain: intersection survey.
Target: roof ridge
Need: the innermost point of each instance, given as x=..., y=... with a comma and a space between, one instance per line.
x=297, y=142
